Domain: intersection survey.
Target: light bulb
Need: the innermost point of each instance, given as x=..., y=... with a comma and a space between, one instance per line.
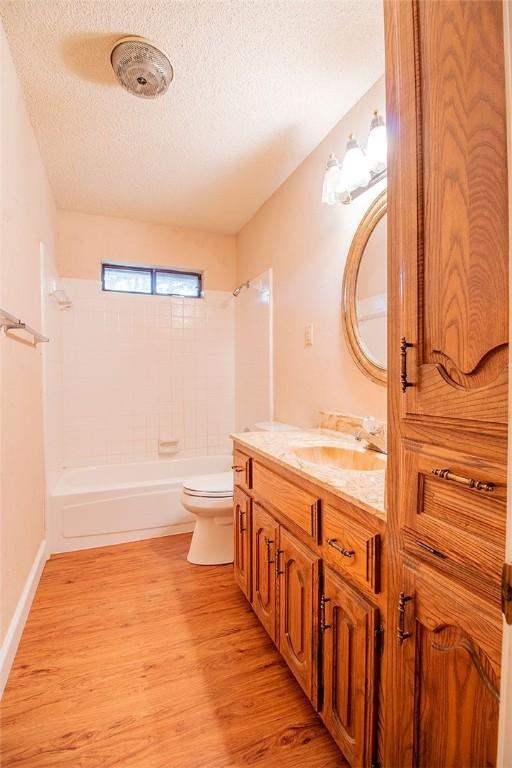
x=355, y=166
x=377, y=147
x=331, y=181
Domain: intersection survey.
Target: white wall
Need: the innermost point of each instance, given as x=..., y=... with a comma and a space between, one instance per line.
x=306, y=243
x=28, y=215
x=140, y=368
x=52, y=369
x=254, y=353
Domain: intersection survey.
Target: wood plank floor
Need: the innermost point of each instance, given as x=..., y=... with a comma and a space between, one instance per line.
x=133, y=657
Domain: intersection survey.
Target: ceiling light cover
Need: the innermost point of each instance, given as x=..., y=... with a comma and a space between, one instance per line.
x=140, y=67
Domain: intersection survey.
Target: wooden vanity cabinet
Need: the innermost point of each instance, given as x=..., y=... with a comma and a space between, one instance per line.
x=298, y=573
x=265, y=546
x=349, y=624
x=242, y=541
x=447, y=379
x=316, y=588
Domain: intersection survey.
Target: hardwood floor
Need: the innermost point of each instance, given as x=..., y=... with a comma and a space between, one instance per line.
x=133, y=657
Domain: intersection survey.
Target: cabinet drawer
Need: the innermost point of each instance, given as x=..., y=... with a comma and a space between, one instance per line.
x=300, y=506
x=353, y=549
x=242, y=470
x=453, y=514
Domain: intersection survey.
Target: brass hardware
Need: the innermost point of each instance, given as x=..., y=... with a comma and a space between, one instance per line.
x=477, y=485
x=432, y=550
x=345, y=552
x=400, y=630
x=278, y=553
x=323, y=624
x=237, y=468
x=241, y=516
x=404, y=346
x=506, y=592
x=268, y=543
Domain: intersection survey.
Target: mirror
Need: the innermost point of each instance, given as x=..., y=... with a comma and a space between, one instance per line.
x=365, y=293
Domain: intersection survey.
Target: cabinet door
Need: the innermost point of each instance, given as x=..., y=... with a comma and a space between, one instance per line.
x=349, y=623
x=450, y=648
x=242, y=543
x=265, y=542
x=449, y=207
x=298, y=570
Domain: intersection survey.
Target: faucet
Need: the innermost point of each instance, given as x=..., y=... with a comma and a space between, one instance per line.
x=373, y=434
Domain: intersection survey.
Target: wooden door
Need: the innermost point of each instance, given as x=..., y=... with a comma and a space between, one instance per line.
x=447, y=376
x=349, y=623
x=298, y=571
x=242, y=542
x=451, y=643
x=449, y=201
x=265, y=542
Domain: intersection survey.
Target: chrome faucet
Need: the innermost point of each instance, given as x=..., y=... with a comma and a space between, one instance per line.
x=372, y=434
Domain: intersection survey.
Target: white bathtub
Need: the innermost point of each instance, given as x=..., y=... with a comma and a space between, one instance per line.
x=111, y=504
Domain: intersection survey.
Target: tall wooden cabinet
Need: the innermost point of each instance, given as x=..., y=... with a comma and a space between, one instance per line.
x=448, y=378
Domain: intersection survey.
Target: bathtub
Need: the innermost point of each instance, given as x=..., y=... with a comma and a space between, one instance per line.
x=111, y=504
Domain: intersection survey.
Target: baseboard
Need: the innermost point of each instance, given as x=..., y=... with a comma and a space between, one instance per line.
x=15, y=630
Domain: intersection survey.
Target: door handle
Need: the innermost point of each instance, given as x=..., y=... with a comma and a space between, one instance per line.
x=402, y=635
x=268, y=544
x=404, y=346
x=279, y=552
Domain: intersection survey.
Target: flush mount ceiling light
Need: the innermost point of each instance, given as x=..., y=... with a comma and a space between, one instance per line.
x=140, y=67
x=360, y=169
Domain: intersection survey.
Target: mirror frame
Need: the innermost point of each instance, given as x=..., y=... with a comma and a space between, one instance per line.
x=371, y=218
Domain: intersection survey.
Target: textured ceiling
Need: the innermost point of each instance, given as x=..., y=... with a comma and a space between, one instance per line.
x=257, y=84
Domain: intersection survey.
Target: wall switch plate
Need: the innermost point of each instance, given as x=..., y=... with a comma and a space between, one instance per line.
x=308, y=335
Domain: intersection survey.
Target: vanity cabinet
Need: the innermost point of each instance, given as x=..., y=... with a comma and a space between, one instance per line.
x=315, y=585
x=298, y=575
x=242, y=540
x=265, y=549
x=447, y=379
x=349, y=624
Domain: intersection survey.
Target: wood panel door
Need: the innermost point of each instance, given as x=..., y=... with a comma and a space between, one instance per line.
x=450, y=644
x=298, y=572
x=242, y=540
x=448, y=208
x=349, y=669
x=265, y=542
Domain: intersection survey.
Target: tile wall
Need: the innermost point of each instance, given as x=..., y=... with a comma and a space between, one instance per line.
x=139, y=369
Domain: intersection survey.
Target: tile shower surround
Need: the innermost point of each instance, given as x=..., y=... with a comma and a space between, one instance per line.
x=136, y=369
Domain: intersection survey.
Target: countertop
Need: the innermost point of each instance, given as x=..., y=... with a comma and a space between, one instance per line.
x=364, y=489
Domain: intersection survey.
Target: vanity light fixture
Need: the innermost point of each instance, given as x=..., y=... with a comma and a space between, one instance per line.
x=360, y=169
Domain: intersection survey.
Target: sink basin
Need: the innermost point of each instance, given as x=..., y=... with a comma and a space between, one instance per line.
x=344, y=458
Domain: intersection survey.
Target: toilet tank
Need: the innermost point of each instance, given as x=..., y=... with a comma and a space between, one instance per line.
x=274, y=426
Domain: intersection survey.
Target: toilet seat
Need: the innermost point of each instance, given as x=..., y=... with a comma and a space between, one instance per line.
x=217, y=486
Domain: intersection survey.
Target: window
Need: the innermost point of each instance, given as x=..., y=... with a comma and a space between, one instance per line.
x=148, y=280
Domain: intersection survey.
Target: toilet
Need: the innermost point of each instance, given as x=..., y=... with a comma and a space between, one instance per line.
x=210, y=499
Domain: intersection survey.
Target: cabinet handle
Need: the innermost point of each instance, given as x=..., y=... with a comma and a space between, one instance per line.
x=278, y=553
x=268, y=543
x=402, y=635
x=404, y=346
x=432, y=550
x=242, y=514
x=345, y=552
x=237, y=468
x=323, y=624
x=469, y=482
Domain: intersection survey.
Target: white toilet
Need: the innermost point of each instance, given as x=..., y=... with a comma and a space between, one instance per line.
x=210, y=499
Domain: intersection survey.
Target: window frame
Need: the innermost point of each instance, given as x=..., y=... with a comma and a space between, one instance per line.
x=152, y=273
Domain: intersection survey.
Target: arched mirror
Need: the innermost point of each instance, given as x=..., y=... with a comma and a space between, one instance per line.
x=365, y=293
